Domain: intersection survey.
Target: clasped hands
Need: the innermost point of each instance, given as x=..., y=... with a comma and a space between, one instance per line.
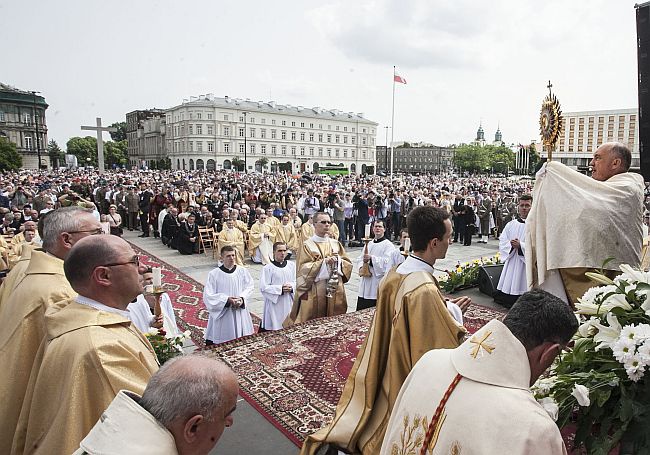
x=235, y=302
x=287, y=288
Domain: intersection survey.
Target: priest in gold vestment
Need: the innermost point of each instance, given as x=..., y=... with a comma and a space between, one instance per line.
x=231, y=236
x=286, y=233
x=260, y=241
x=317, y=262
x=22, y=313
x=411, y=318
x=483, y=388
x=91, y=350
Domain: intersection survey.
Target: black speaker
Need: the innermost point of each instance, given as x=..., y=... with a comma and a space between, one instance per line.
x=488, y=278
x=643, y=58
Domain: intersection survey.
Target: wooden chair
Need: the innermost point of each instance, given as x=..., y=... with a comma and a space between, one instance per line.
x=206, y=240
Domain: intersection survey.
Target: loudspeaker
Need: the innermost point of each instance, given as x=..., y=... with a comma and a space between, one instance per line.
x=488, y=278
x=643, y=58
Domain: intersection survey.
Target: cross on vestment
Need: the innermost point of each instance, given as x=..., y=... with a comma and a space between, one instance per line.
x=100, y=141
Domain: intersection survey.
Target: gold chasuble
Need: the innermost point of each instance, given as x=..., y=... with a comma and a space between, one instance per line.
x=310, y=298
x=87, y=358
x=15, y=275
x=411, y=319
x=23, y=329
x=306, y=232
x=256, y=240
x=287, y=234
x=232, y=237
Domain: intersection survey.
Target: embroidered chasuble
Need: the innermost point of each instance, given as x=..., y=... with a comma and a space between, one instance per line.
x=232, y=237
x=310, y=299
x=287, y=234
x=490, y=411
x=411, y=319
x=256, y=241
x=23, y=330
x=88, y=356
x=15, y=275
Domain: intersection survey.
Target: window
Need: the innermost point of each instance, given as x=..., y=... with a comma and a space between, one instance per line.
x=252, y=147
x=198, y=115
x=263, y=121
x=28, y=142
x=345, y=128
x=337, y=138
x=320, y=151
x=210, y=145
x=284, y=149
x=273, y=135
x=345, y=139
x=225, y=117
x=311, y=151
x=311, y=137
x=364, y=154
x=293, y=135
x=293, y=123
x=226, y=131
x=210, y=130
x=226, y=147
x=320, y=126
x=199, y=129
x=241, y=148
x=329, y=127
x=263, y=148
x=363, y=130
x=284, y=123
x=329, y=152
x=284, y=135
x=252, y=132
x=241, y=118
x=199, y=146
x=273, y=149
x=242, y=132
x=363, y=141
x=190, y=129
x=263, y=132
x=27, y=119
x=336, y=152
x=191, y=146
x=209, y=116
x=352, y=140
x=302, y=136
x=293, y=151
x=272, y=121
x=329, y=138
x=251, y=120
x=302, y=151
x=320, y=137
x=2, y=116
x=302, y=124
x=345, y=153
x=182, y=130
x=353, y=129
x=353, y=153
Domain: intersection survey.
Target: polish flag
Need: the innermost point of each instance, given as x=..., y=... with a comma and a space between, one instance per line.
x=398, y=78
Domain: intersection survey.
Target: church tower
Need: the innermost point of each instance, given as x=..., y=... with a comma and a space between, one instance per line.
x=498, y=137
x=480, y=136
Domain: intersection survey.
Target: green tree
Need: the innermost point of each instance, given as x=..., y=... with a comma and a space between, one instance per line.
x=115, y=153
x=471, y=158
x=10, y=159
x=534, y=158
x=262, y=162
x=501, y=158
x=55, y=152
x=120, y=134
x=237, y=163
x=83, y=148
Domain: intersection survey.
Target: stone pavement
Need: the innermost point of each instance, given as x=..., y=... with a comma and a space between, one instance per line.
x=251, y=432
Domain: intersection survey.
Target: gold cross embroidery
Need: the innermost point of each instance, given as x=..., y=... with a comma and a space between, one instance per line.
x=482, y=343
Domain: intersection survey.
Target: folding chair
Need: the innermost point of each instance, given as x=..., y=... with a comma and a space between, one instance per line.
x=206, y=239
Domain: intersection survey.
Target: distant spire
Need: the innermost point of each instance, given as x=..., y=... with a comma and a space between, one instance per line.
x=480, y=134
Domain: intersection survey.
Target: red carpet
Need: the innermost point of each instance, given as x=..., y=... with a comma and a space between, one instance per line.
x=294, y=377
x=186, y=295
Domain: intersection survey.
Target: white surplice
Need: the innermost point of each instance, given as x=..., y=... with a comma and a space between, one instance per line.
x=226, y=323
x=276, y=304
x=383, y=258
x=140, y=315
x=513, y=277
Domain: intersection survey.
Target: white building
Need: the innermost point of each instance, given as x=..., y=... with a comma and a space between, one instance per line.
x=583, y=132
x=208, y=132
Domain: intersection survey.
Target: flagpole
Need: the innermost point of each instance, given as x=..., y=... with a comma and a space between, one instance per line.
x=392, y=126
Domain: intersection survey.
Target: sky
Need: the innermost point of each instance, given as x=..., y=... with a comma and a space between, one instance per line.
x=465, y=62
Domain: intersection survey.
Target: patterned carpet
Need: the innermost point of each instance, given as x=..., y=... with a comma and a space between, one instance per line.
x=186, y=295
x=294, y=377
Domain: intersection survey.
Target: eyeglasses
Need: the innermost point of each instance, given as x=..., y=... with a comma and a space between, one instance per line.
x=325, y=222
x=134, y=260
x=91, y=231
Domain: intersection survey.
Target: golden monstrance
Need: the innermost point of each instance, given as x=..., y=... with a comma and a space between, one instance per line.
x=550, y=121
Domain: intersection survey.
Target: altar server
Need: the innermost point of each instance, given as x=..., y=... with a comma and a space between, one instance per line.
x=277, y=285
x=381, y=256
x=226, y=295
x=141, y=314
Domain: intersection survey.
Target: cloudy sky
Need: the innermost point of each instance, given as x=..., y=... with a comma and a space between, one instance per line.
x=464, y=61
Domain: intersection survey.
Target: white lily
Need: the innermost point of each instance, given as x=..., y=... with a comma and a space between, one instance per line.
x=581, y=393
x=587, y=328
x=634, y=275
x=607, y=335
x=616, y=301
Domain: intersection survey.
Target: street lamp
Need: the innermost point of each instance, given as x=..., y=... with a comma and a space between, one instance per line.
x=38, y=142
x=386, y=151
x=245, y=146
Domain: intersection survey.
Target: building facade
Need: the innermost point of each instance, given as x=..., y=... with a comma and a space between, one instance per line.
x=145, y=137
x=432, y=159
x=22, y=121
x=209, y=132
x=583, y=132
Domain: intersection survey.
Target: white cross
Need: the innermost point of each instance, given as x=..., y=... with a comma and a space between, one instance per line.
x=100, y=141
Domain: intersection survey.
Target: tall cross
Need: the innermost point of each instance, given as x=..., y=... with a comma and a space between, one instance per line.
x=549, y=86
x=100, y=141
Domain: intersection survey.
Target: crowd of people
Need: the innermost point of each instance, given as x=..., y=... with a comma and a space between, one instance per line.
x=73, y=313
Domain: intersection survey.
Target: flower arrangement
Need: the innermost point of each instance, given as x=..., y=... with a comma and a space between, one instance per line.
x=600, y=385
x=465, y=275
x=166, y=346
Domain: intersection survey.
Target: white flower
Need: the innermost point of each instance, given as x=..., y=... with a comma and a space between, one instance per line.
x=623, y=349
x=607, y=335
x=642, y=333
x=616, y=300
x=550, y=406
x=152, y=331
x=632, y=275
x=643, y=351
x=635, y=368
x=581, y=393
x=544, y=385
x=187, y=334
x=591, y=294
x=587, y=329
x=628, y=333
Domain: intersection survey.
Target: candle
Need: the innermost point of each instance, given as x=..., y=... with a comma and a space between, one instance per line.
x=407, y=245
x=157, y=277
x=367, y=233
